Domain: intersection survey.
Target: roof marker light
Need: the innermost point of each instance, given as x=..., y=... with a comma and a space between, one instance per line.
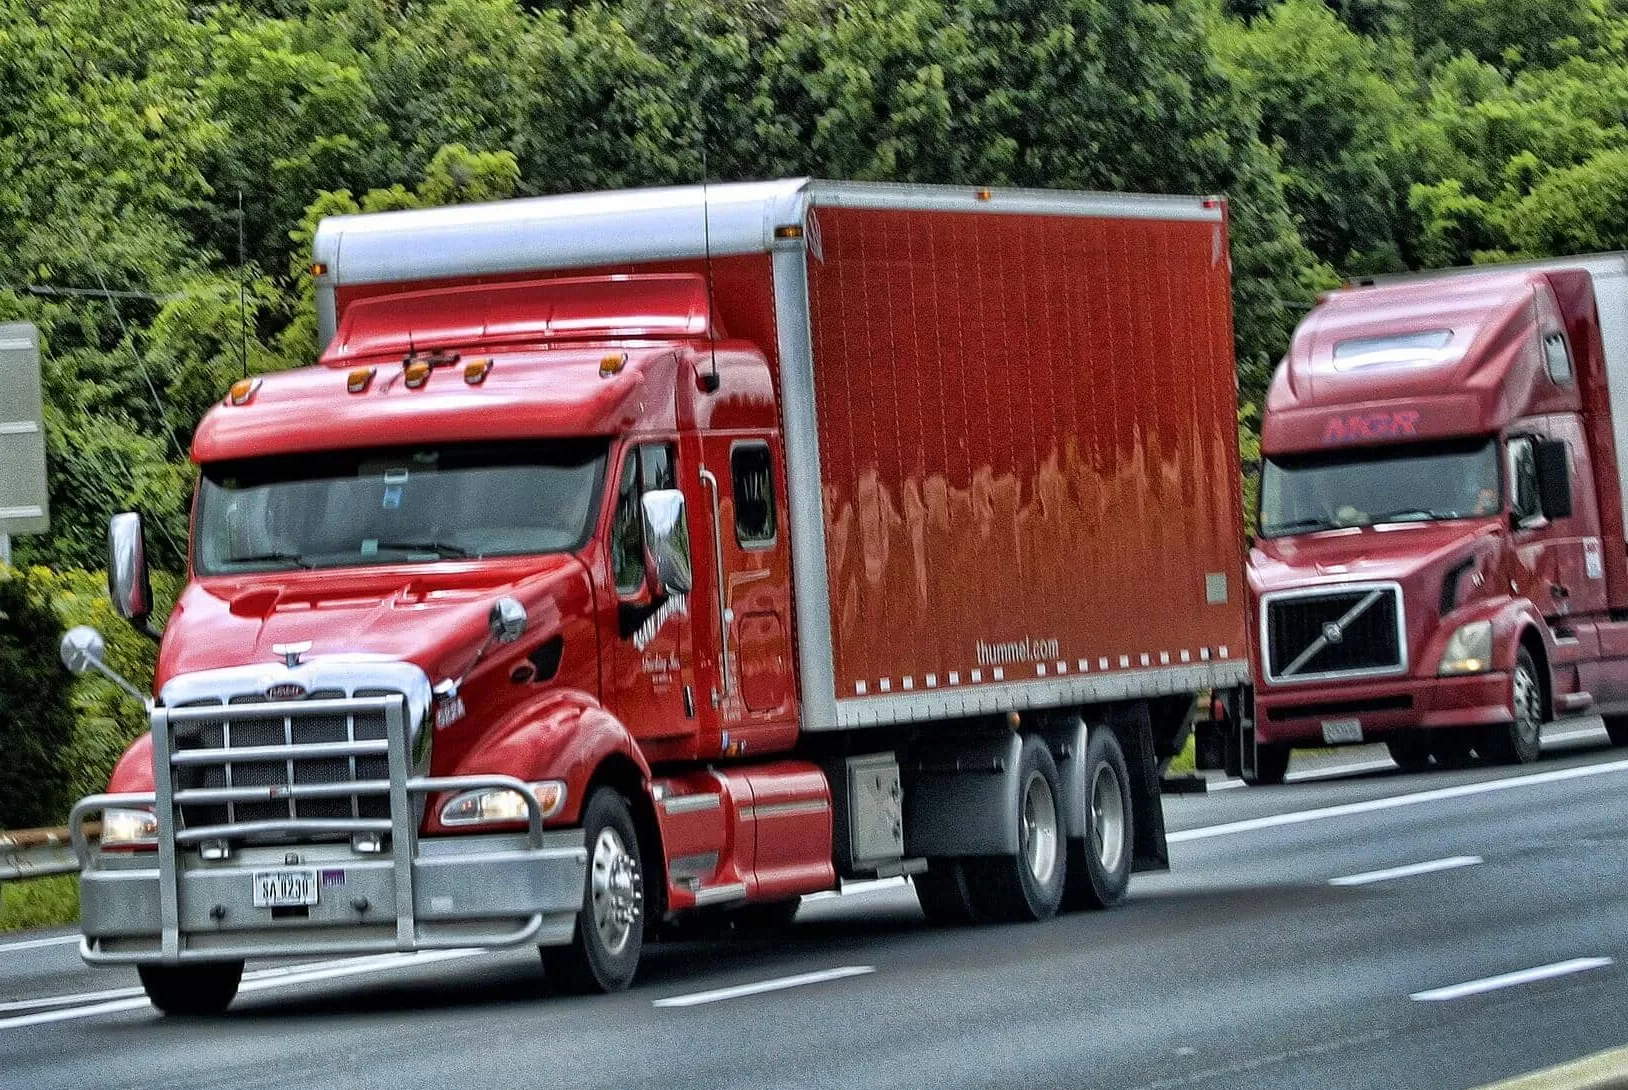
x=242, y=390
x=416, y=374
x=986, y=194
x=319, y=268
x=475, y=371
x=612, y=364
x=359, y=379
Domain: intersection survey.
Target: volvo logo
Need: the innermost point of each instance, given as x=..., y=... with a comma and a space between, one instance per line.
x=1332, y=632
x=286, y=690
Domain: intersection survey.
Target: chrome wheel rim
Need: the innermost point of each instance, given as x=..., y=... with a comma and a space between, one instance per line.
x=1039, y=828
x=1108, y=818
x=617, y=891
x=1528, y=707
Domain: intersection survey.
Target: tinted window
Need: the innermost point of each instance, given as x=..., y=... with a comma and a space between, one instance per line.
x=752, y=467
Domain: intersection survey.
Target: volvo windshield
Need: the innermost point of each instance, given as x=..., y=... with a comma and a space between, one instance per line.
x=1417, y=483
x=397, y=505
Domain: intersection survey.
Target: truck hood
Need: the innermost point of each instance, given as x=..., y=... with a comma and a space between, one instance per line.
x=1396, y=551
x=432, y=616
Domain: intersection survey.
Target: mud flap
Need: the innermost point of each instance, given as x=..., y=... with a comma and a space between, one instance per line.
x=1133, y=727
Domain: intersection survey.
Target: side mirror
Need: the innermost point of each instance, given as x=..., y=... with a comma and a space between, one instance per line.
x=1554, y=479
x=667, y=537
x=507, y=621
x=82, y=648
x=128, y=582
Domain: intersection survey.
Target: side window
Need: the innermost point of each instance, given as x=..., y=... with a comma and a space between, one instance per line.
x=1557, y=358
x=1523, y=478
x=752, y=468
x=627, y=531
x=647, y=468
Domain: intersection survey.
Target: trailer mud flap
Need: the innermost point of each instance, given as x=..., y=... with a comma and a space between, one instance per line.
x=1133, y=727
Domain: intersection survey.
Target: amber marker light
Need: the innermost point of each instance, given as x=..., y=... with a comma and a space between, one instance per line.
x=612, y=364
x=318, y=269
x=986, y=194
x=475, y=371
x=242, y=390
x=359, y=379
x=789, y=230
x=416, y=374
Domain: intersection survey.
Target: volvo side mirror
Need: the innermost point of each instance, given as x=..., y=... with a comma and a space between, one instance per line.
x=667, y=537
x=1554, y=479
x=128, y=582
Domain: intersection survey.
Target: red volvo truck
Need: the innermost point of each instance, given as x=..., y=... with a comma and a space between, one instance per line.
x=635, y=558
x=1440, y=562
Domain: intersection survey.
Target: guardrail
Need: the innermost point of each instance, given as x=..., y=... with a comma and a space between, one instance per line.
x=38, y=853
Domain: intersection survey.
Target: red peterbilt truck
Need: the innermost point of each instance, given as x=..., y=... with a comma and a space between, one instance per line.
x=635, y=558
x=1440, y=563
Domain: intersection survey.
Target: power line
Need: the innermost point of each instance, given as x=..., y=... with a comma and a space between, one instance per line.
x=97, y=293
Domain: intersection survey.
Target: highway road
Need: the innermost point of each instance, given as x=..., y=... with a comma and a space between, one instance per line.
x=1354, y=928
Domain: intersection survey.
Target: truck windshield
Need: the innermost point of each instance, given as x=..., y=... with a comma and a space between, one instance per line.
x=1418, y=483
x=396, y=505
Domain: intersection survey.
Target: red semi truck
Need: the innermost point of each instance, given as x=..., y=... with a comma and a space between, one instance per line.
x=1440, y=563
x=958, y=471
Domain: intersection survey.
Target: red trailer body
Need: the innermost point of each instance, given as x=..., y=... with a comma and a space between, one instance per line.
x=699, y=548
x=1441, y=563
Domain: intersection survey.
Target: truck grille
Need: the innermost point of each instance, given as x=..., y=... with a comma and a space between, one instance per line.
x=1348, y=632
x=228, y=733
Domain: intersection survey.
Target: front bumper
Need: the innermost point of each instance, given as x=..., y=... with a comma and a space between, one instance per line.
x=1296, y=714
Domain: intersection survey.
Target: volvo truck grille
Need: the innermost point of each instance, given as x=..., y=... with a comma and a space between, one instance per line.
x=1354, y=631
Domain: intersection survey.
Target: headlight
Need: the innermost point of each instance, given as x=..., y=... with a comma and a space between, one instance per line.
x=501, y=806
x=1469, y=651
x=129, y=828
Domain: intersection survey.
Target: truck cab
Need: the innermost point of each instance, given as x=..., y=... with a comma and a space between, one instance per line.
x=1439, y=562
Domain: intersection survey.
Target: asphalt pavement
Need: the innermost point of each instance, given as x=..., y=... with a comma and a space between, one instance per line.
x=1356, y=927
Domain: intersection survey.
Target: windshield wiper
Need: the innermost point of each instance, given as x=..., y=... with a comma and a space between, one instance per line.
x=439, y=548
x=1416, y=513
x=270, y=558
x=1296, y=526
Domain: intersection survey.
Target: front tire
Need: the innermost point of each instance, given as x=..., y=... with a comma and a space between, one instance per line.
x=205, y=988
x=1099, y=865
x=1028, y=885
x=604, y=953
x=1519, y=741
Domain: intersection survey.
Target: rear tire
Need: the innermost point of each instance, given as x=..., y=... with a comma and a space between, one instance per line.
x=1271, y=764
x=942, y=891
x=1410, y=750
x=604, y=953
x=1518, y=741
x=1099, y=864
x=205, y=988
x=1028, y=885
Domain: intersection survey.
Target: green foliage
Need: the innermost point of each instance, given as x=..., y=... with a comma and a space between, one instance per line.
x=36, y=722
x=39, y=902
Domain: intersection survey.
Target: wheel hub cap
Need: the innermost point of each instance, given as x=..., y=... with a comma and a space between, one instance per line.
x=618, y=891
x=1039, y=829
x=1108, y=818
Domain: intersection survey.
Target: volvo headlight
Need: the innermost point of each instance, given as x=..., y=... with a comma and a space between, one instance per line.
x=500, y=805
x=129, y=829
x=1469, y=650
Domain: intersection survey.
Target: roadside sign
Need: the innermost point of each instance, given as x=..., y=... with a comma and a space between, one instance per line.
x=24, y=506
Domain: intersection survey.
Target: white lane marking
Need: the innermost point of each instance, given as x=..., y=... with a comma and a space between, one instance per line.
x=1510, y=980
x=1391, y=802
x=850, y=888
x=778, y=984
x=36, y=944
x=1406, y=871
x=280, y=977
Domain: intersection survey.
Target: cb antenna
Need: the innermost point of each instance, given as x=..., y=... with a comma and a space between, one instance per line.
x=242, y=293
x=709, y=383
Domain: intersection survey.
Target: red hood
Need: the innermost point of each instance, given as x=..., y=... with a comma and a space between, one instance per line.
x=1397, y=551
x=434, y=617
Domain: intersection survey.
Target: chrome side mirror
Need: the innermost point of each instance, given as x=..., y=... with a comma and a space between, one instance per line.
x=128, y=582
x=507, y=621
x=83, y=650
x=667, y=537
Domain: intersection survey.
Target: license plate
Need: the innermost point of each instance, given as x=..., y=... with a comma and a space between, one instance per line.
x=1342, y=730
x=284, y=888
